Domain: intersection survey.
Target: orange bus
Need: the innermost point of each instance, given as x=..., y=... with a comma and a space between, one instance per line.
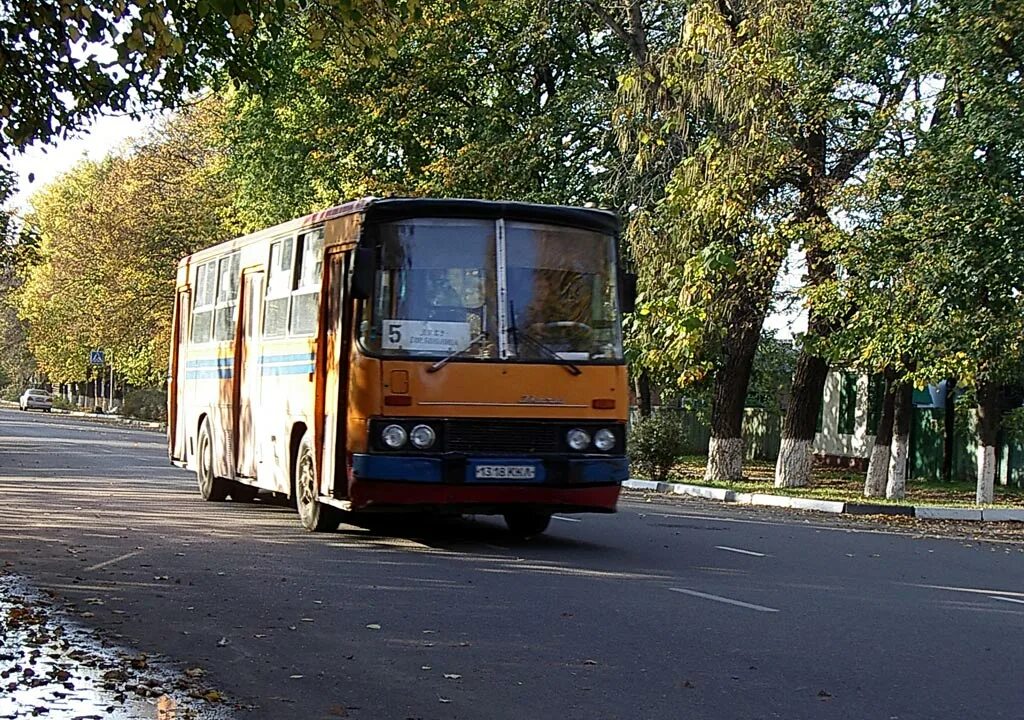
x=458, y=356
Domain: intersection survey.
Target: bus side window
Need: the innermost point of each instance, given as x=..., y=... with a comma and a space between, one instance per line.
x=279, y=280
x=227, y=298
x=309, y=269
x=202, y=309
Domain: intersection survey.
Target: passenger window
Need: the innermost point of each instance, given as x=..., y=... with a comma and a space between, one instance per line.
x=227, y=298
x=306, y=296
x=203, y=307
x=279, y=281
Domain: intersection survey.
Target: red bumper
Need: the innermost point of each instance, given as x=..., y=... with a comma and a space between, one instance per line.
x=368, y=494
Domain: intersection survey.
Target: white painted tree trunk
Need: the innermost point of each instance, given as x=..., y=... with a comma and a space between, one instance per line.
x=878, y=471
x=896, y=487
x=725, y=459
x=986, y=474
x=793, y=468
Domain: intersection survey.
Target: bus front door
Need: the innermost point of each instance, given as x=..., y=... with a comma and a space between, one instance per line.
x=176, y=391
x=247, y=362
x=334, y=349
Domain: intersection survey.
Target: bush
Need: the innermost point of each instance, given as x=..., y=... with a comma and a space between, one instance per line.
x=657, y=443
x=60, y=403
x=11, y=393
x=145, y=404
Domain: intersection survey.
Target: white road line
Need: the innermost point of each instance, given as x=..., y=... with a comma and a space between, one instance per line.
x=559, y=517
x=112, y=561
x=719, y=598
x=740, y=551
x=1006, y=599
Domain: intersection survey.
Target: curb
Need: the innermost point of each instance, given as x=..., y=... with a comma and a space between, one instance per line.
x=925, y=512
x=101, y=418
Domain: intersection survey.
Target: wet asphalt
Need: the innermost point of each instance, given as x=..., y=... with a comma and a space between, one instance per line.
x=663, y=610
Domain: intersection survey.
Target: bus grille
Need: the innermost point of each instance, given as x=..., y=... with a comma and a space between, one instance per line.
x=495, y=438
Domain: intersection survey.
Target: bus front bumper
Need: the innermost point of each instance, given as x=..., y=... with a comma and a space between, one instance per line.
x=487, y=484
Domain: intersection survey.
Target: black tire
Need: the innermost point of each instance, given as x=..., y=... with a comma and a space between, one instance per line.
x=313, y=515
x=527, y=523
x=211, y=487
x=240, y=492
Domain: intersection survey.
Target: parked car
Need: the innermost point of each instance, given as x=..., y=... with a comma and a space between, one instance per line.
x=35, y=399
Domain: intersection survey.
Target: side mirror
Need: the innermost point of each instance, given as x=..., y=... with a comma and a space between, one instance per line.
x=628, y=292
x=363, y=273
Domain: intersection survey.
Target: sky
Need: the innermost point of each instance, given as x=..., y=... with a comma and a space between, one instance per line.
x=47, y=162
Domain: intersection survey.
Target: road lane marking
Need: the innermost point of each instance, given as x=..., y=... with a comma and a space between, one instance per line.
x=1006, y=599
x=739, y=550
x=727, y=601
x=118, y=559
x=978, y=591
x=559, y=517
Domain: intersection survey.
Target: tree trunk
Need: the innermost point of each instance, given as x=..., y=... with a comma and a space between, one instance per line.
x=948, y=430
x=643, y=393
x=725, y=450
x=896, y=487
x=878, y=465
x=989, y=418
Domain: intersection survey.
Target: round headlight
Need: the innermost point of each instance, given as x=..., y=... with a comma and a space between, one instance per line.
x=577, y=439
x=422, y=436
x=394, y=436
x=604, y=440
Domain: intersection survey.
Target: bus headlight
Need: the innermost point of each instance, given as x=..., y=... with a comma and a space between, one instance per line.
x=422, y=436
x=577, y=439
x=394, y=436
x=604, y=440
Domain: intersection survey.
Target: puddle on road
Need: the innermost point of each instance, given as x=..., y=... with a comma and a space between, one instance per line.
x=50, y=667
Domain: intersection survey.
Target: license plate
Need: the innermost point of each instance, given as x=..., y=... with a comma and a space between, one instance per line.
x=506, y=472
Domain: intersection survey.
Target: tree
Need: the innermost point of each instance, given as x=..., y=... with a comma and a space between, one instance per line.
x=494, y=100
x=62, y=63
x=111, y=234
x=755, y=117
x=932, y=285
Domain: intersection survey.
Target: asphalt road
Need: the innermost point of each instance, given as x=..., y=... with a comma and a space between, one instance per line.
x=664, y=610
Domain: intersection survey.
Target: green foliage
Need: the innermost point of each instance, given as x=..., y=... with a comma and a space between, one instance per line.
x=494, y=100
x=62, y=62
x=111, y=234
x=656, y=443
x=772, y=373
x=931, y=283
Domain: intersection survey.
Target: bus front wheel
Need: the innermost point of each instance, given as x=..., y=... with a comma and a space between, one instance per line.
x=525, y=523
x=211, y=487
x=314, y=515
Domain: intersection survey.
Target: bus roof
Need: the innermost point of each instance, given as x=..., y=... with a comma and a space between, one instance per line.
x=376, y=209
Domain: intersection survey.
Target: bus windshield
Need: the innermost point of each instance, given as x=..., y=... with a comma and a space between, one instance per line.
x=441, y=282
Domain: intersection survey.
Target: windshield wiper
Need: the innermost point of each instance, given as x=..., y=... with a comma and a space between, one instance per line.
x=516, y=333
x=455, y=353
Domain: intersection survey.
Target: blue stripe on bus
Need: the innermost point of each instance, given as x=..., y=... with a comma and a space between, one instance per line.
x=304, y=369
x=222, y=373
x=276, y=359
x=212, y=362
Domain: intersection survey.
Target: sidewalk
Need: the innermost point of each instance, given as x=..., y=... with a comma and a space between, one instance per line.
x=99, y=417
x=51, y=666
x=925, y=512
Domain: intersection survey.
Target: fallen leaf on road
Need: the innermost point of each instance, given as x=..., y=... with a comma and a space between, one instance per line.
x=296, y=677
x=443, y=699
x=824, y=695
x=222, y=642
x=306, y=619
x=590, y=662
x=338, y=711
x=425, y=667
x=452, y=676
x=373, y=626
x=259, y=635
x=212, y=696
x=195, y=672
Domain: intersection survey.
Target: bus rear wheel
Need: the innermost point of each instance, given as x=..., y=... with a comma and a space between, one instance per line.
x=526, y=523
x=211, y=487
x=313, y=514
